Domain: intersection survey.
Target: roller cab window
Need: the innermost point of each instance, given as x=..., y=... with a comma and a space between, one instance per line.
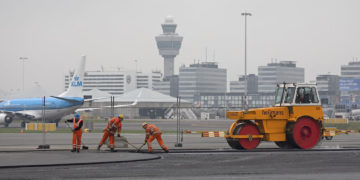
x=279, y=93
x=290, y=92
x=306, y=95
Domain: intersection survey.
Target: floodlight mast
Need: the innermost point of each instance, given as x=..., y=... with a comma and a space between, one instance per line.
x=245, y=77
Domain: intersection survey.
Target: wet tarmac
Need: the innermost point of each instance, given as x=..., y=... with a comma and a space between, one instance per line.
x=199, y=158
x=63, y=158
x=211, y=165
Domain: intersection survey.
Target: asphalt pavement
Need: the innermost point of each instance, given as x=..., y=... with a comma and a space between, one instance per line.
x=214, y=165
x=199, y=158
x=62, y=158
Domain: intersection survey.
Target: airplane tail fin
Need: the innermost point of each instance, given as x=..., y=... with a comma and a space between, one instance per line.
x=76, y=84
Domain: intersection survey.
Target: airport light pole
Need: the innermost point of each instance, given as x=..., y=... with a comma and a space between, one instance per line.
x=23, y=59
x=246, y=88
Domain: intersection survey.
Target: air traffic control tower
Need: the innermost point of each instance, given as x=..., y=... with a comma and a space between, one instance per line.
x=169, y=44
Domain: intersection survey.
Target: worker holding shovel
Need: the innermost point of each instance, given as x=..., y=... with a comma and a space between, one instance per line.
x=77, y=132
x=113, y=125
x=153, y=132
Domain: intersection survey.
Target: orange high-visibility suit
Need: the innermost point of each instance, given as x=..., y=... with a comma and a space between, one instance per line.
x=111, y=128
x=77, y=133
x=153, y=132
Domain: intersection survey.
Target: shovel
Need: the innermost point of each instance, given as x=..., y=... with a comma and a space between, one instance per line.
x=132, y=145
x=140, y=147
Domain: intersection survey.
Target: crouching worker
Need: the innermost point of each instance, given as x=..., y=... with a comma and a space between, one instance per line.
x=113, y=125
x=153, y=132
x=77, y=132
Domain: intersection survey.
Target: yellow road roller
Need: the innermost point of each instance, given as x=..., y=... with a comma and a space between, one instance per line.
x=295, y=121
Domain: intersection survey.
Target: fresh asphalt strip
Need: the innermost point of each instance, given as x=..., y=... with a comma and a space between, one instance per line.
x=152, y=156
x=24, y=161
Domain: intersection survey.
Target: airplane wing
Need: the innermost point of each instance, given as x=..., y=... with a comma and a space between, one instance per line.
x=92, y=109
x=65, y=99
x=87, y=100
x=126, y=105
x=75, y=101
x=86, y=109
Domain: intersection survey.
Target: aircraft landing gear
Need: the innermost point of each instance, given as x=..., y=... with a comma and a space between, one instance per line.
x=23, y=123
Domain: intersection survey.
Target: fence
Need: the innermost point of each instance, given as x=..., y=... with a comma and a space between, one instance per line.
x=170, y=112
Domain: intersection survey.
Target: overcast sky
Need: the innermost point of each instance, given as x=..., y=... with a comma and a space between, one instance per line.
x=319, y=35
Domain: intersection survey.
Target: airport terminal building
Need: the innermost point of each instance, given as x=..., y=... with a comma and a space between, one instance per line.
x=205, y=77
x=279, y=72
x=116, y=82
x=349, y=85
x=239, y=86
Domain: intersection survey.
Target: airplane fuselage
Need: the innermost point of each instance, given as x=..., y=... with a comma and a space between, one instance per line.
x=54, y=108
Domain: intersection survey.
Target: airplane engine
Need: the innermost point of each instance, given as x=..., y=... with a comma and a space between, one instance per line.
x=5, y=119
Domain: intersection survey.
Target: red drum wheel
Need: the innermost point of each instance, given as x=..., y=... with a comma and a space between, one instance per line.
x=306, y=133
x=249, y=129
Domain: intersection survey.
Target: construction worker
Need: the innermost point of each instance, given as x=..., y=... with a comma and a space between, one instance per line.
x=77, y=132
x=153, y=132
x=113, y=125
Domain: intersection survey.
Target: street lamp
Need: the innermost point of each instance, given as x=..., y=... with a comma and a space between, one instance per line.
x=246, y=90
x=23, y=59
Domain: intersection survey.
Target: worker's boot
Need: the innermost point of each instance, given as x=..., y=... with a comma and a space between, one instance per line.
x=78, y=150
x=166, y=150
x=112, y=150
x=98, y=148
x=73, y=150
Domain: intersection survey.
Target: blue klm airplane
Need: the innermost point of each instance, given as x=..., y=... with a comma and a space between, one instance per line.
x=56, y=106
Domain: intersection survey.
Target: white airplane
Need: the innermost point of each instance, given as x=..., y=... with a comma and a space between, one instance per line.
x=56, y=107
